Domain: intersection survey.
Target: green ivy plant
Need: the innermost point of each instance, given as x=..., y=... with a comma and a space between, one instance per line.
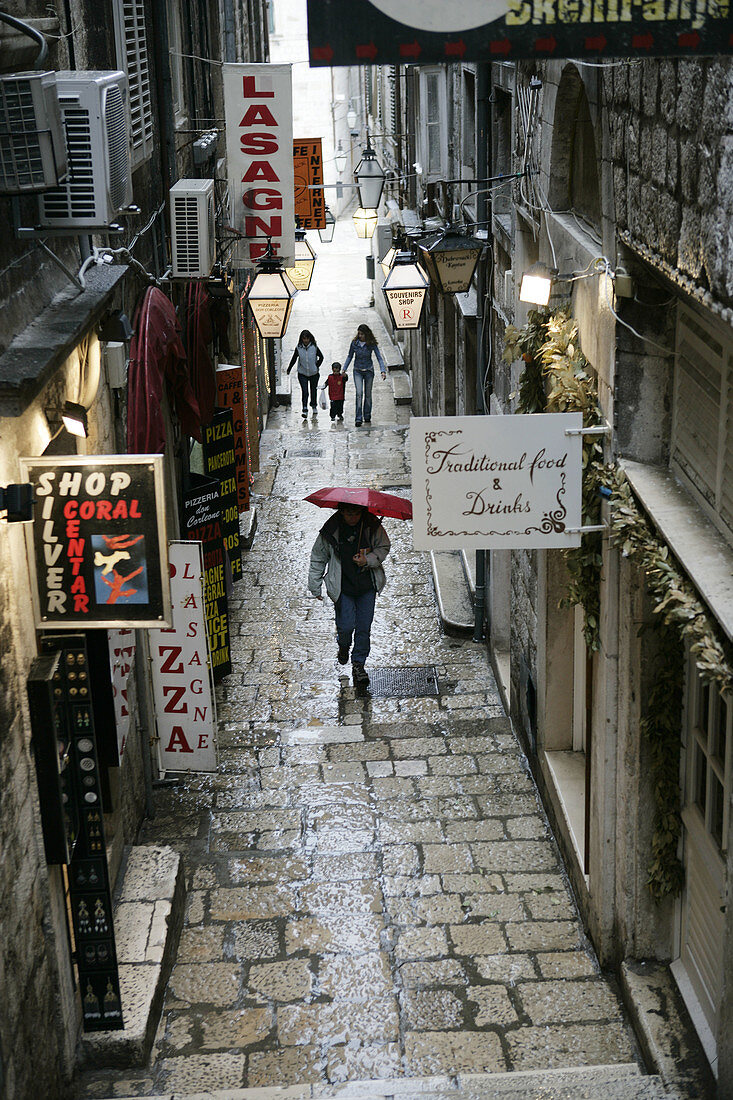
x=558, y=378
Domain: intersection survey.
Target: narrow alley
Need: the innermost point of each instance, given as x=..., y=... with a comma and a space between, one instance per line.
x=373, y=891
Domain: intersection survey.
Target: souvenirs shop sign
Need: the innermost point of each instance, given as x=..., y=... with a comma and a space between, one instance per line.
x=401, y=32
x=258, y=115
x=98, y=541
x=184, y=699
x=496, y=482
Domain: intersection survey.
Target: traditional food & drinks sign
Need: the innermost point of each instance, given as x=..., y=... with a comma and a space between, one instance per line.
x=496, y=482
x=98, y=542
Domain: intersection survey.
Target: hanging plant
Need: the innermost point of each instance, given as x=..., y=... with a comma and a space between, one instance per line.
x=557, y=378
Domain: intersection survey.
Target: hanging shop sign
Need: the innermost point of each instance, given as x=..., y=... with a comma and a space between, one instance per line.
x=310, y=202
x=98, y=541
x=258, y=115
x=496, y=482
x=220, y=465
x=202, y=523
x=185, y=710
x=121, y=659
x=400, y=32
x=231, y=394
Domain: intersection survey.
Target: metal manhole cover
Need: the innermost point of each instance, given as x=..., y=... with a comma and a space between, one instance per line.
x=406, y=683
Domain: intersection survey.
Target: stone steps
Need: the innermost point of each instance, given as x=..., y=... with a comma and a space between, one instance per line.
x=617, y=1082
x=148, y=915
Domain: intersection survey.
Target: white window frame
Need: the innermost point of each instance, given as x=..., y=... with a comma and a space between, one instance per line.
x=701, y=453
x=134, y=59
x=431, y=172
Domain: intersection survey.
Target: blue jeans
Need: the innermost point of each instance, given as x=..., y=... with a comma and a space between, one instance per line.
x=354, y=616
x=363, y=382
x=305, y=384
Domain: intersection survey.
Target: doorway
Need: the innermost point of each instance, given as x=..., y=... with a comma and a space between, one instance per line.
x=708, y=733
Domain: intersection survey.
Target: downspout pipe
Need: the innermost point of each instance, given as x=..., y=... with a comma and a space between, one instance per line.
x=230, y=52
x=483, y=294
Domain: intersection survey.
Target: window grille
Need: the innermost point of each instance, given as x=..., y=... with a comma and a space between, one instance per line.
x=132, y=54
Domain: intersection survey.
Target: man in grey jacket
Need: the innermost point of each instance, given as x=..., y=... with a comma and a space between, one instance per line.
x=349, y=552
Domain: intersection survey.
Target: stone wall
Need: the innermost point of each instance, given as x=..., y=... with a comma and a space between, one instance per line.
x=671, y=126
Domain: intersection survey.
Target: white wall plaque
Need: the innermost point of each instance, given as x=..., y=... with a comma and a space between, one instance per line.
x=258, y=113
x=496, y=482
x=185, y=708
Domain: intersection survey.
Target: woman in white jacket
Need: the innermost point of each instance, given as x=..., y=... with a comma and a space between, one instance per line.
x=309, y=357
x=349, y=552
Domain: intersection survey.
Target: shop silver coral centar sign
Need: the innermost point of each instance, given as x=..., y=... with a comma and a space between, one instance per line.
x=401, y=32
x=496, y=482
x=97, y=546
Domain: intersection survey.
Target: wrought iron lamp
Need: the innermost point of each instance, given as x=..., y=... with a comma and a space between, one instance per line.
x=326, y=234
x=451, y=259
x=301, y=272
x=369, y=177
x=365, y=222
x=405, y=290
x=271, y=296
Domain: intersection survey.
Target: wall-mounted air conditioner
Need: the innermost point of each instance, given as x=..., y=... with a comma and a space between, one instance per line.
x=192, y=228
x=94, y=112
x=32, y=146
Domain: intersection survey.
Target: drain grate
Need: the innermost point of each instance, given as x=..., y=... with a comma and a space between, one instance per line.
x=405, y=683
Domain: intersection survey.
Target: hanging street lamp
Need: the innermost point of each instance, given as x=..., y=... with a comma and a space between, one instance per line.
x=301, y=272
x=405, y=290
x=369, y=177
x=351, y=118
x=271, y=297
x=340, y=158
x=365, y=222
x=451, y=259
x=326, y=234
x=399, y=244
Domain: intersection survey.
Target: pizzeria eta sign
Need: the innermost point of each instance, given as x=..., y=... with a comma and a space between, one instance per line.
x=496, y=482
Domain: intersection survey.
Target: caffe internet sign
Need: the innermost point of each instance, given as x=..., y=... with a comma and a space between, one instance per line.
x=496, y=482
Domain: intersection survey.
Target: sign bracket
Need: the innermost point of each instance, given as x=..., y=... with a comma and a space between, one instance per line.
x=602, y=429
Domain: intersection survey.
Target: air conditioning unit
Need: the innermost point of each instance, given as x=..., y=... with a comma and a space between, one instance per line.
x=95, y=115
x=32, y=146
x=192, y=228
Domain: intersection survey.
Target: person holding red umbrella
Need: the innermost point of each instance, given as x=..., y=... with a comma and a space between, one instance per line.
x=348, y=553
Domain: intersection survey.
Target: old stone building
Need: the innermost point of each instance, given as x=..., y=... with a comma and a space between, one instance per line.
x=623, y=191
x=56, y=345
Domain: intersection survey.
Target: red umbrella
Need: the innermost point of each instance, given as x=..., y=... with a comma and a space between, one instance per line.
x=379, y=504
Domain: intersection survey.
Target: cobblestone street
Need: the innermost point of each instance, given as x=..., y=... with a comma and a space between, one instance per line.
x=373, y=891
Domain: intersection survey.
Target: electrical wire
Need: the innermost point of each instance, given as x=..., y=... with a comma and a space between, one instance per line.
x=644, y=339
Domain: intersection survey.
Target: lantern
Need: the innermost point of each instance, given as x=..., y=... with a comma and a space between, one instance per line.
x=326, y=234
x=451, y=260
x=301, y=272
x=365, y=222
x=271, y=297
x=369, y=178
x=405, y=289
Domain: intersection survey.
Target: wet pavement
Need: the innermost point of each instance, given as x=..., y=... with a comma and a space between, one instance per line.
x=373, y=889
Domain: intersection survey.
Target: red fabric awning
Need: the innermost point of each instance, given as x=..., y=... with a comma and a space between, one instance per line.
x=157, y=356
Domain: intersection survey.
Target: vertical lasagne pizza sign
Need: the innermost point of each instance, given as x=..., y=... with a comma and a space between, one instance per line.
x=98, y=545
x=258, y=110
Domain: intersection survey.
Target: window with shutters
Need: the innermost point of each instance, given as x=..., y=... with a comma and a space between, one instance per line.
x=702, y=424
x=433, y=119
x=133, y=58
